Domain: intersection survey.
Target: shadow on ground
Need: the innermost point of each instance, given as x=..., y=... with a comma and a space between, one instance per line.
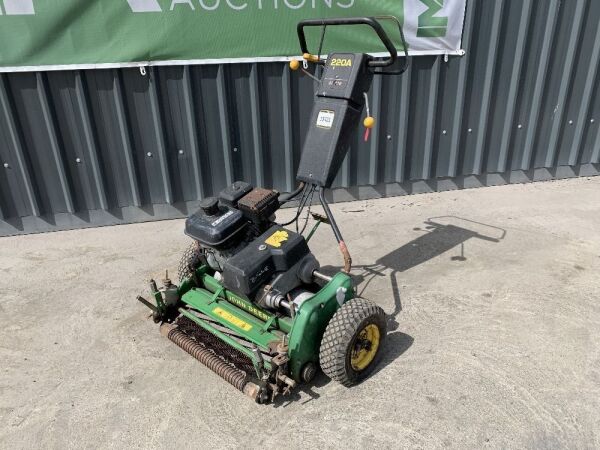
x=440, y=235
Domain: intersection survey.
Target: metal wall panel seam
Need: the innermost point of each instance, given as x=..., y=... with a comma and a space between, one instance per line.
x=257, y=138
x=18, y=149
x=191, y=129
x=160, y=135
x=224, y=122
x=459, y=106
x=596, y=152
x=565, y=82
x=490, y=65
x=584, y=108
x=89, y=140
x=403, y=123
x=288, y=143
x=345, y=171
x=53, y=142
x=430, y=122
x=514, y=85
x=125, y=139
x=539, y=85
x=374, y=144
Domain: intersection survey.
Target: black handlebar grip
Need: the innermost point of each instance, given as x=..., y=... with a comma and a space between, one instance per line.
x=370, y=21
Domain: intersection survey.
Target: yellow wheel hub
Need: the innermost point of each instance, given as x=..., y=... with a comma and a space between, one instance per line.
x=365, y=347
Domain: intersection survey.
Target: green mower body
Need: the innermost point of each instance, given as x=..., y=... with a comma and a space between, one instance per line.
x=260, y=335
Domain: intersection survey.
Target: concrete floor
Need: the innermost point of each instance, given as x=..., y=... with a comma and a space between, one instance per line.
x=495, y=338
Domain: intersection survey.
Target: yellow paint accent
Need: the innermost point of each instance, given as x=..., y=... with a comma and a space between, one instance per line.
x=277, y=238
x=362, y=357
x=294, y=64
x=232, y=319
x=369, y=122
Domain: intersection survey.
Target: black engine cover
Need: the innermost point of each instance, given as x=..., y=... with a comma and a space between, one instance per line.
x=215, y=230
x=276, y=250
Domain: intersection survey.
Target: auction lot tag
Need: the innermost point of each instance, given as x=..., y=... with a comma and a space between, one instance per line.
x=325, y=118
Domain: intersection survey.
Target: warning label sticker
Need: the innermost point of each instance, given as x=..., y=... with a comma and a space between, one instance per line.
x=232, y=319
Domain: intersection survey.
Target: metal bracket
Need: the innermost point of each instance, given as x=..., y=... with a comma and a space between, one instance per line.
x=340, y=295
x=216, y=295
x=268, y=324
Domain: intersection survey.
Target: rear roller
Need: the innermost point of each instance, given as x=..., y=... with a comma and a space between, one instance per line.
x=233, y=376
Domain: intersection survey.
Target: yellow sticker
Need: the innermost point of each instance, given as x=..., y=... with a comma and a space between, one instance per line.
x=232, y=319
x=277, y=238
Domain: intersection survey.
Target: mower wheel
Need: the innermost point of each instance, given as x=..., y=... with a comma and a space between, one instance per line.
x=352, y=343
x=192, y=257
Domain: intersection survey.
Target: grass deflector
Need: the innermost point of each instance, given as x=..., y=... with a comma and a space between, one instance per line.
x=252, y=303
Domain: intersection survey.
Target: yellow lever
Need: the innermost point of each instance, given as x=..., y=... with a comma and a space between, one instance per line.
x=311, y=58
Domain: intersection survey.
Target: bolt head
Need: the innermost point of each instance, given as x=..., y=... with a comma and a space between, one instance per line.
x=592, y=120
x=6, y=166
x=444, y=131
x=149, y=154
x=262, y=247
x=519, y=126
x=180, y=152
x=570, y=122
x=77, y=160
x=470, y=130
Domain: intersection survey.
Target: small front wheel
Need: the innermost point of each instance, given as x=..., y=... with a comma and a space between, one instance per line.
x=353, y=341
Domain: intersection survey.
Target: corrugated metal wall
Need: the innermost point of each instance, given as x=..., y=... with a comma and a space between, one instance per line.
x=87, y=148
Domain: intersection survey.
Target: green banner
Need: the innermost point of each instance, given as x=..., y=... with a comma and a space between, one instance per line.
x=52, y=34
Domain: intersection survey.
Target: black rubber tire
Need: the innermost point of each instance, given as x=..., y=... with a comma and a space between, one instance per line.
x=192, y=257
x=340, y=336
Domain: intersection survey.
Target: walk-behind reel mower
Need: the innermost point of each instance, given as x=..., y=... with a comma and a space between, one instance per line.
x=252, y=303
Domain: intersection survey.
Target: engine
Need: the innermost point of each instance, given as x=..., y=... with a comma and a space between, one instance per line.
x=252, y=254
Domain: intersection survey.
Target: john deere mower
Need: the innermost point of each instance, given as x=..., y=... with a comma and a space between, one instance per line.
x=252, y=303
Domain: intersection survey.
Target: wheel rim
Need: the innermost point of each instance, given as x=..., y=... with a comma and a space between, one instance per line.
x=365, y=347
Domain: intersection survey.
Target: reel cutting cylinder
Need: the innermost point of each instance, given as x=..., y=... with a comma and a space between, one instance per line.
x=233, y=376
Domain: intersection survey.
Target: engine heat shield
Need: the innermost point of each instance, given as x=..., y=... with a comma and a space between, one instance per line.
x=276, y=250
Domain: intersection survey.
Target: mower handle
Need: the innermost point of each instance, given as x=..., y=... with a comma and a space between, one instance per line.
x=370, y=21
